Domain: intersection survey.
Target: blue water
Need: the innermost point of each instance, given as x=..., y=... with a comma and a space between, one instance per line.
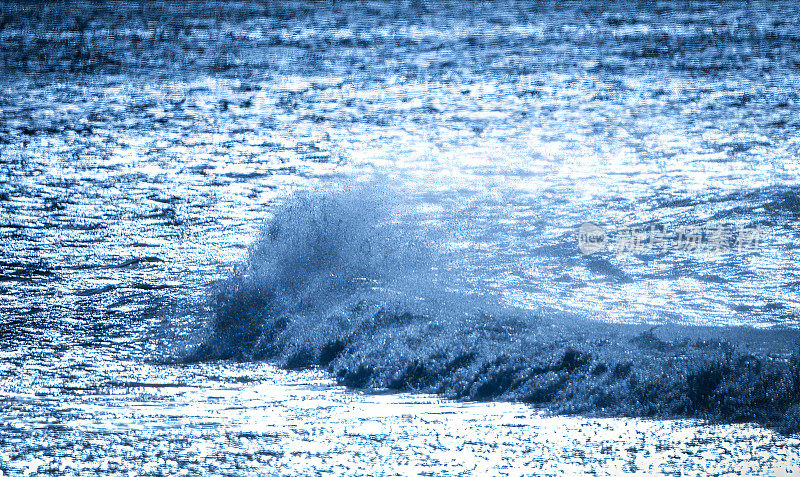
x=140, y=159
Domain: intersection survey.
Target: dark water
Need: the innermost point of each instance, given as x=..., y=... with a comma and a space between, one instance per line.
x=142, y=147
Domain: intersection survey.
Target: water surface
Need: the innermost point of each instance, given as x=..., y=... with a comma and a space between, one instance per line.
x=142, y=147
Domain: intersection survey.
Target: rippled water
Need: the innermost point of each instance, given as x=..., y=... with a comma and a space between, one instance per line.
x=142, y=147
x=254, y=419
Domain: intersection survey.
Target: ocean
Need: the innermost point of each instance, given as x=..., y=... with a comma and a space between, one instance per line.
x=399, y=238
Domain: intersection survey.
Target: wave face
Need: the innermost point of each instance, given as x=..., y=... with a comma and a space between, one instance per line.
x=340, y=280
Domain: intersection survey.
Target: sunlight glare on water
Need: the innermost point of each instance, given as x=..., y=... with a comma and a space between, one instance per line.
x=139, y=160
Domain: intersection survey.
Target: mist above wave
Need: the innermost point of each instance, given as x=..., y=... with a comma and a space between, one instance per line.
x=326, y=255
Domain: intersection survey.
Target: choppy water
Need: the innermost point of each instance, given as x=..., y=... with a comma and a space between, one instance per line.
x=138, y=158
x=254, y=419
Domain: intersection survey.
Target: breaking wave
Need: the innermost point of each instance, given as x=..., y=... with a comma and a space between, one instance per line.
x=346, y=279
x=327, y=259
